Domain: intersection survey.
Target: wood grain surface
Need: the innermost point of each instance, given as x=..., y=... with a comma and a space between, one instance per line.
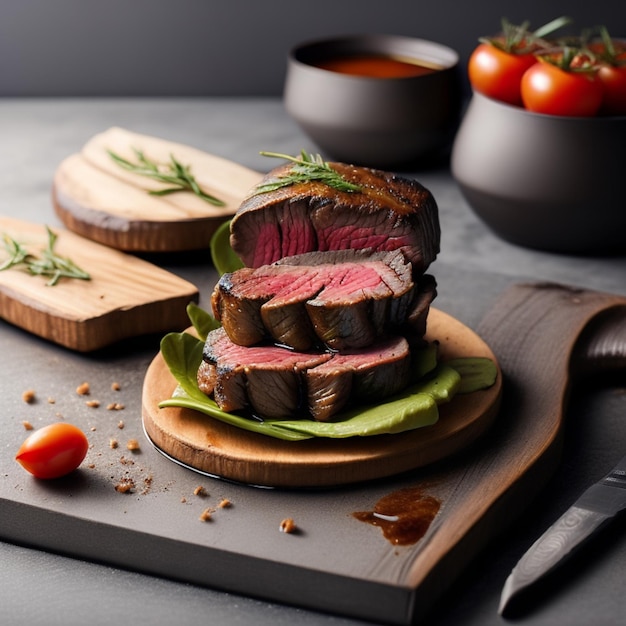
x=220, y=449
x=99, y=200
x=539, y=333
x=125, y=297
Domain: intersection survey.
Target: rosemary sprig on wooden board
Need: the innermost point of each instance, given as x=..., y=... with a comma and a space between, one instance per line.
x=307, y=168
x=173, y=173
x=50, y=264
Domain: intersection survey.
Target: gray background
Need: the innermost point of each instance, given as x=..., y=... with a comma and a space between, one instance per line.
x=228, y=47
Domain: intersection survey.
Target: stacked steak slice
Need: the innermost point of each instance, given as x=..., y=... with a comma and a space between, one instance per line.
x=388, y=213
x=338, y=300
x=332, y=302
x=272, y=382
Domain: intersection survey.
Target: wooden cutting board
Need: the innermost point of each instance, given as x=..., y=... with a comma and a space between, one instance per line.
x=220, y=449
x=125, y=297
x=98, y=199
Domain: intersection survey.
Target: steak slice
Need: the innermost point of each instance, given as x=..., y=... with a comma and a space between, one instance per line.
x=340, y=299
x=272, y=382
x=264, y=379
x=358, y=376
x=389, y=213
x=414, y=327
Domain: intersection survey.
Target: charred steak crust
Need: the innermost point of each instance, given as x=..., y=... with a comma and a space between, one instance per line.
x=275, y=383
x=338, y=299
x=389, y=213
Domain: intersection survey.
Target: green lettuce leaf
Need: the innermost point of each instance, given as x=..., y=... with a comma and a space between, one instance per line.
x=223, y=257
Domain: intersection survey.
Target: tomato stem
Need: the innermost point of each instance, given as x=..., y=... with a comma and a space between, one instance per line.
x=550, y=27
x=518, y=39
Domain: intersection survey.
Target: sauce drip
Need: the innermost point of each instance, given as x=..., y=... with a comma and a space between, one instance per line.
x=404, y=516
x=375, y=66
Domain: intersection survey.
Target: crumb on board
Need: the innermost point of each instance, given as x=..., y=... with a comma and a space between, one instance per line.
x=27, y=425
x=288, y=526
x=183, y=500
x=29, y=396
x=115, y=406
x=125, y=485
x=113, y=444
x=133, y=445
x=51, y=400
x=120, y=424
x=147, y=484
x=115, y=386
x=225, y=503
x=200, y=491
x=94, y=404
x=83, y=389
x=206, y=515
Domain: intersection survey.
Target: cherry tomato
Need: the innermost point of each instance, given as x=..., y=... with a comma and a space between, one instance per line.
x=53, y=451
x=613, y=79
x=608, y=49
x=498, y=74
x=549, y=89
x=609, y=56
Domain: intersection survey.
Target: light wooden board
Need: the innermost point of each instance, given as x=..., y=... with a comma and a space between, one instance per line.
x=98, y=199
x=125, y=297
x=220, y=449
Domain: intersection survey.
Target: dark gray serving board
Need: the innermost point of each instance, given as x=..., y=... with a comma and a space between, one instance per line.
x=334, y=563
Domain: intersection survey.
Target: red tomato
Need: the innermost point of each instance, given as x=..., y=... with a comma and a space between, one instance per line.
x=549, y=89
x=613, y=79
x=498, y=74
x=53, y=451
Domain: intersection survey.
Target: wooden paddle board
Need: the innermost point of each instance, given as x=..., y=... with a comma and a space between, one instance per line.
x=96, y=198
x=219, y=449
x=125, y=296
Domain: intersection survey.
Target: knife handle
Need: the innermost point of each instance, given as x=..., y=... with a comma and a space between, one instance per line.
x=579, y=330
x=602, y=345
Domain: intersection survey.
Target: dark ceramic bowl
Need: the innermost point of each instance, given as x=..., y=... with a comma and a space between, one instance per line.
x=378, y=122
x=541, y=181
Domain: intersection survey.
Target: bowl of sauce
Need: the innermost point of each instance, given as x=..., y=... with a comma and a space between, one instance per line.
x=375, y=100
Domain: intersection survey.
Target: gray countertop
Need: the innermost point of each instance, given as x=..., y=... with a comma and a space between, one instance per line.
x=474, y=266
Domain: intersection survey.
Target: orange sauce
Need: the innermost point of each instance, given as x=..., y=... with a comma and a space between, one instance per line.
x=375, y=66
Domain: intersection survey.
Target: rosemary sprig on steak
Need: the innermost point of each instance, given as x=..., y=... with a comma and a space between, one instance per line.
x=50, y=264
x=307, y=168
x=172, y=173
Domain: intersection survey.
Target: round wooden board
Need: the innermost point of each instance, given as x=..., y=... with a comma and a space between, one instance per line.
x=213, y=447
x=131, y=234
x=96, y=198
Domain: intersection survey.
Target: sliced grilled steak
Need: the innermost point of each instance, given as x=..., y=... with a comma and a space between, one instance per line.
x=265, y=379
x=358, y=376
x=274, y=382
x=341, y=299
x=389, y=213
x=414, y=327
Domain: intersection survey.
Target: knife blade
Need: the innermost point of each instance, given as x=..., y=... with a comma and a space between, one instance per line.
x=599, y=504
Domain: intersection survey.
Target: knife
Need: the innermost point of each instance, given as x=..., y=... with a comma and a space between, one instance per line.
x=599, y=504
